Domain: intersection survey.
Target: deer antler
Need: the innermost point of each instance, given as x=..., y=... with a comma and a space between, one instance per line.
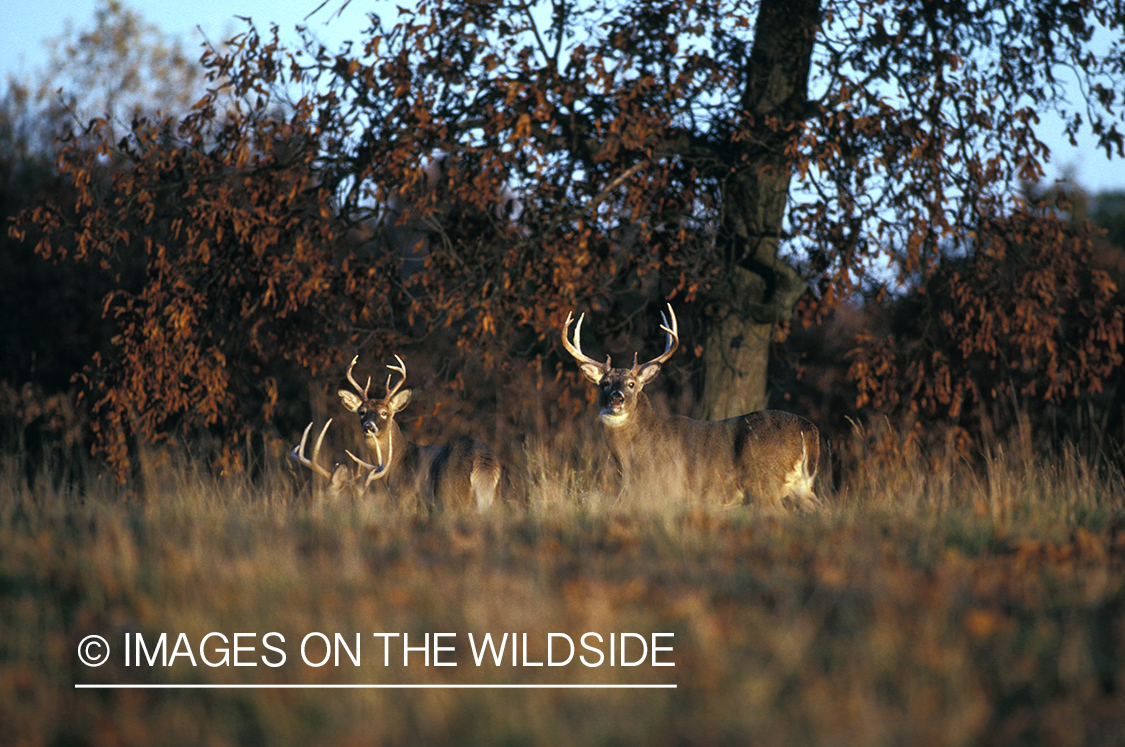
x=361, y=391
x=399, y=369
x=575, y=348
x=298, y=452
x=375, y=472
x=672, y=343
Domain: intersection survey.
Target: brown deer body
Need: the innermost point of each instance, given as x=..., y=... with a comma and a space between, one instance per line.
x=763, y=457
x=463, y=474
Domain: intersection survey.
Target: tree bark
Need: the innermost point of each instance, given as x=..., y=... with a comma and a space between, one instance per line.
x=755, y=289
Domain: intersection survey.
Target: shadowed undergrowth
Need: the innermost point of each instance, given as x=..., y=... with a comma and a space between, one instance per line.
x=929, y=603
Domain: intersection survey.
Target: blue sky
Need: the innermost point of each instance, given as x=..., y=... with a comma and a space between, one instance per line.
x=29, y=24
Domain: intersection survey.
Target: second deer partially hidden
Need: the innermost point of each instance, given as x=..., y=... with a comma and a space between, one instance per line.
x=463, y=474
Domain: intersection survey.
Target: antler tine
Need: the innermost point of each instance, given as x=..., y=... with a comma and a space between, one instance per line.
x=375, y=472
x=399, y=369
x=673, y=338
x=360, y=390
x=675, y=330
x=298, y=452
x=575, y=348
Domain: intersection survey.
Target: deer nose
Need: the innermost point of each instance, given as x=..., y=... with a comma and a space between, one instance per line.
x=616, y=397
x=369, y=427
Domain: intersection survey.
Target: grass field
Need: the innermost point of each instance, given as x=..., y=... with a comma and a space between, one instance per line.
x=928, y=604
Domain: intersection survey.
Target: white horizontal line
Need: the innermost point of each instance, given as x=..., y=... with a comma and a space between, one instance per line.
x=369, y=687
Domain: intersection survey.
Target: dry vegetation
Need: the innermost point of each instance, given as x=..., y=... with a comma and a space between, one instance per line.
x=931, y=603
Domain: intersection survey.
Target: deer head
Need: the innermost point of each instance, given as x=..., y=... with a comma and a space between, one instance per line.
x=620, y=388
x=376, y=416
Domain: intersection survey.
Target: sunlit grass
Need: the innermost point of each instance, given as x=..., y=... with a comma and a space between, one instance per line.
x=933, y=601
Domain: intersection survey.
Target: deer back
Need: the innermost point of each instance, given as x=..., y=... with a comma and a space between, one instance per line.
x=463, y=475
x=761, y=458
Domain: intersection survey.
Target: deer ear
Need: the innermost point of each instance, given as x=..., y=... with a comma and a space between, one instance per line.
x=647, y=373
x=400, y=400
x=338, y=483
x=351, y=401
x=592, y=372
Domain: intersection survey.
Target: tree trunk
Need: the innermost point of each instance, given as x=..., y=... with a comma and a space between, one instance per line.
x=735, y=360
x=755, y=289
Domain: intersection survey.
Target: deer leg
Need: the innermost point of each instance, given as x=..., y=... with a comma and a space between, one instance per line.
x=483, y=479
x=735, y=497
x=484, y=489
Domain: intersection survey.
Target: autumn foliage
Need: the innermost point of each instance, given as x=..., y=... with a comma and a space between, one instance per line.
x=1021, y=321
x=462, y=176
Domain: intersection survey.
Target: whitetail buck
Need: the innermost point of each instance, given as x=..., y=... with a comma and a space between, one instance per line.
x=763, y=457
x=461, y=475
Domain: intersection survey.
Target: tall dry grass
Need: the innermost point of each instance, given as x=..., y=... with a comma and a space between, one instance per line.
x=933, y=601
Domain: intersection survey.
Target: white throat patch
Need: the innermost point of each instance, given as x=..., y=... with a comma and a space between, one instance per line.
x=613, y=419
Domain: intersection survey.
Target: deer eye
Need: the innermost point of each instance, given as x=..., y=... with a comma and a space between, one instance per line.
x=382, y=413
x=632, y=384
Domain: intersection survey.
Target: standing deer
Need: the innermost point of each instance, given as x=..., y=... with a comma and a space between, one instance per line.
x=463, y=474
x=765, y=456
